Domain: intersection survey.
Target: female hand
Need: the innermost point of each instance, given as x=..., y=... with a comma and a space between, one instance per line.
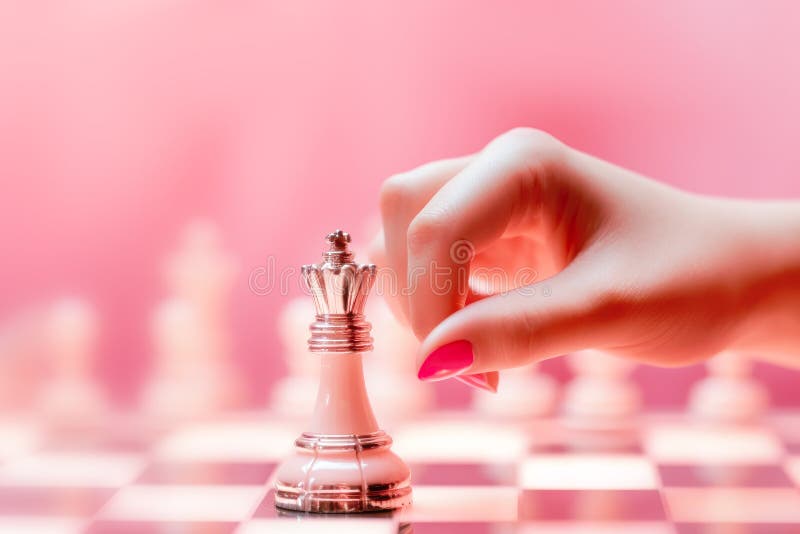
x=531, y=249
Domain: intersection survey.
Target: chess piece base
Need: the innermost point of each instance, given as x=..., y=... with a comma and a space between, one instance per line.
x=343, y=474
x=724, y=399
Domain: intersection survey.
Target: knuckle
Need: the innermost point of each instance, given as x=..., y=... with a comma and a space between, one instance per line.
x=526, y=135
x=531, y=143
x=395, y=193
x=426, y=229
x=513, y=341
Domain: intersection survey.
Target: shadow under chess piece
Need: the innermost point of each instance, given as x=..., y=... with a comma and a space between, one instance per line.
x=343, y=463
x=729, y=394
x=601, y=403
x=523, y=392
x=73, y=394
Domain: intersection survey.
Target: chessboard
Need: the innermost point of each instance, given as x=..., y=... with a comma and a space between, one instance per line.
x=663, y=474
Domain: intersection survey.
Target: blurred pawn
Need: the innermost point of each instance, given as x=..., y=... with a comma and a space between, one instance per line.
x=729, y=394
x=524, y=392
x=184, y=385
x=601, y=402
x=294, y=394
x=390, y=370
x=70, y=334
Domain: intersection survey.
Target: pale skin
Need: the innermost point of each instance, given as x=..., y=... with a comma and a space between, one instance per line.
x=624, y=263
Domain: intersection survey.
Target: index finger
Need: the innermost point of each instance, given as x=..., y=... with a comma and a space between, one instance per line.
x=469, y=212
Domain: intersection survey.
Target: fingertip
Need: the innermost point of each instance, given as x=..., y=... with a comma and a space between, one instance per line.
x=447, y=361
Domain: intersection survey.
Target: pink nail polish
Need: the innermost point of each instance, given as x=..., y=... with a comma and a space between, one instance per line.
x=479, y=381
x=446, y=361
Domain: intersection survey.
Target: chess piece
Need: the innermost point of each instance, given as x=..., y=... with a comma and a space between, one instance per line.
x=293, y=395
x=179, y=388
x=729, y=394
x=202, y=273
x=392, y=367
x=600, y=403
x=343, y=463
x=193, y=374
x=524, y=392
x=22, y=347
x=71, y=333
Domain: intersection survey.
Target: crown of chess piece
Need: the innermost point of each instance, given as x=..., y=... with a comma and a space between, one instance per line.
x=343, y=463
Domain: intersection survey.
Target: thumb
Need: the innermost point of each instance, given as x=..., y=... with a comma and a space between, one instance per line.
x=531, y=323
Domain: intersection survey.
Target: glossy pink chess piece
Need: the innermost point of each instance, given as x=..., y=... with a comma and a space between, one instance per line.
x=343, y=463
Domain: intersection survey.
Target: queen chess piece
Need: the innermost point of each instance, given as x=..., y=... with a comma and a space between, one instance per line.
x=343, y=463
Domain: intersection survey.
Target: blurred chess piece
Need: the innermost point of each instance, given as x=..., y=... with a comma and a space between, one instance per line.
x=202, y=272
x=181, y=388
x=21, y=360
x=194, y=374
x=392, y=367
x=523, y=392
x=601, y=401
x=729, y=394
x=70, y=333
x=293, y=395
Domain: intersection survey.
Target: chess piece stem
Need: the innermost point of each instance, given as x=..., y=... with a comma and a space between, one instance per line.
x=342, y=404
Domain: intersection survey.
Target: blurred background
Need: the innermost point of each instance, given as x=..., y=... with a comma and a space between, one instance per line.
x=121, y=122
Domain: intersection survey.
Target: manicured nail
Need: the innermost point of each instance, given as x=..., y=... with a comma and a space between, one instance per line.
x=446, y=361
x=477, y=381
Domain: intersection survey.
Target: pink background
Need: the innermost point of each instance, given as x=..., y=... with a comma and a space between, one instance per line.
x=121, y=120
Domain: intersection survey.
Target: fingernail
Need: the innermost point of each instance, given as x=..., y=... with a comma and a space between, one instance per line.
x=477, y=381
x=446, y=361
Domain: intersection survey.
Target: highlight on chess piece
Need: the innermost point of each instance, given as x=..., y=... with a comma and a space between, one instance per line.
x=343, y=463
